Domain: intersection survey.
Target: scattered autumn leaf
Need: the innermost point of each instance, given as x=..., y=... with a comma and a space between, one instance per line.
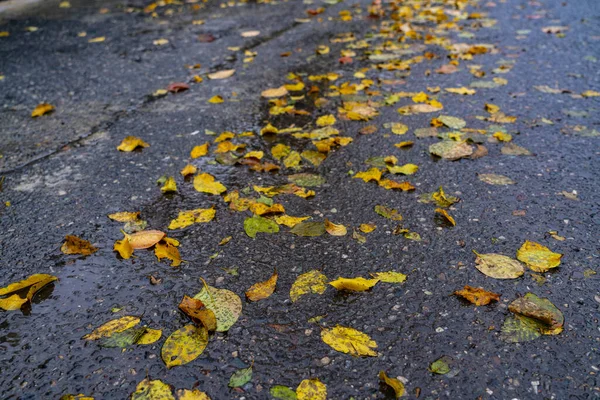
x=262, y=290
x=477, y=296
x=537, y=257
x=75, y=245
x=310, y=282
x=349, y=340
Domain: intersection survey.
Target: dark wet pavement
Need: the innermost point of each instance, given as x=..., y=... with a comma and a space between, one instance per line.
x=63, y=175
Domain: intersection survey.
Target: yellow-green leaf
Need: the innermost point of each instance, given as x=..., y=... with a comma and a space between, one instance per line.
x=114, y=326
x=184, y=345
x=311, y=389
x=389, y=276
x=152, y=390
x=407, y=169
x=349, y=340
x=262, y=290
x=226, y=305
x=537, y=257
x=498, y=266
x=309, y=282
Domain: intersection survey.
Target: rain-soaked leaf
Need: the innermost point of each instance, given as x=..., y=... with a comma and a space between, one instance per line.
x=335, y=229
x=200, y=151
x=349, y=340
x=534, y=316
x=452, y=122
x=189, y=170
x=309, y=229
x=388, y=212
x=537, y=257
x=194, y=394
x=407, y=169
x=170, y=185
x=257, y=224
x=145, y=239
x=451, y=150
x=394, y=383
x=389, y=276
x=306, y=179
x=495, y=179
x=196, y=310
x=79, y=396
x=439, y=366
x=326, y=120
x=168, y=250
x=124, y=248
x=42, y=109
x=190, y=217
x=440, y=198
x=75, y=245
x=354, y=284
x=206, y=183
x=477, y=296
x=288, y=220
x=310, y=282
x=373, y=174
x=262, y=290
x=498, y=266
x=125, y=216
x=122, y=339
x=33, y=284
x=240, y=377
x=446, y=216
x=280, y=392
x=152, y=390
x=184, y=345
x=150, y=336
x=311, y=389
x=112, y=327
x=226, y=305
x=130, y=143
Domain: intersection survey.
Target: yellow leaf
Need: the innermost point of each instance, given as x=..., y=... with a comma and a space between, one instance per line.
x=262, y=290
x=225, y=304
x=322, y=49
x=326, y=120
x=114, y=326
x=99, y=39
x=12, y=303
x=295, y=87
x=4, y=34
x=169, y=186
x=152, y=390
x=41, y=109
x=199, y=151
x=187, y=218
x=169, y=251
x=421, y=97
x=262, y=209
x=314, y=157
x=398, y=128
x=224, y=136
x=537, y=257
x=335, y=229
x=590, y=93
x=34, y=283
x=184, y=345
x=461, y=90
x=491, y=108
x=125, y=216
x=367, y=228
x=394, y=383
x=189, y=170
x=288, y=220
x=349, y=340
x=216, y=100
x=186, y=394
x=254, y=154
x=145, y=239
x=160, y=42
x=150, y=336
x=224, y=74
x=280, y=150
x=503, y=137
x=354, y=284
x=446, y=215
x=206, y=183
x=309, y=282
x=75, y=245
x=311, y=389
x=389, y=276
x=124, y=248
x=275, y=92
x=228, y=146
x=373, y=174
x=404, y=144
x=292, y=160
x=390, y=184
x=130, y=143
x=498, y=266
x=477, y=296
x=197, y=311
x=407, y=169
x=225, y=240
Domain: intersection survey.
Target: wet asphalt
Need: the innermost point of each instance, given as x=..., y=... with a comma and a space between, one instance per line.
x=63, y=175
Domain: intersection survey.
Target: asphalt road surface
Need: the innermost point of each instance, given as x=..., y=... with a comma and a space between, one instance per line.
x=62, y=175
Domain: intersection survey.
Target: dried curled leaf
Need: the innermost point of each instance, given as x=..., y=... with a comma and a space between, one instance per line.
x=262, y=290
x=130, y=143
x=534, y=316
x=226, y=305
x=311, y=389
x=498, y=266
x=447, y=216
x=407, y=169
x=388, y=212
x=349, y=340
x=41, y=109
x=394, y=383
x=184, y=345
x=310, y=282
x=75, y=245
x=537, y=257
x=373, y=174
x=335, y=229
x=354, y=284
x=477, y=296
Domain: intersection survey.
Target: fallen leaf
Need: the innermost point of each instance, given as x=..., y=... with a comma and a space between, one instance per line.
x=326, y=120
x=461, y=90
x=160, y=42
x=168, y=250
x=196, y=310
x=537, y=257
x=388, y=212
x=280, y=392
x=111, y=327
x=124, y=248
x=495, y=179
x=498, y=266
x=33, y=284
x=184, y=345
x=125, y=216
x=439, y=366
x=150, y=336
x=226, y=305
x=275, y=92
x=452, y=122
x=170, y=185
x=75, y=245
x=288, y=220
x=446, y=216
x=311, y=389
x=512, y=149
x=389, y=276
x=224, y=74
x=407, y=169
x=206, y=183
x=248, y=34
x=335, y=229
x=367, y=228
x=394, y=383
x=195, y=394
x=122, y=339
x=240, y=377
x=534, y=316
x=257, y=224
x=309, y=282
x=262, y=290
x=152, y=390
x=41, y=109
x=99, y=39
x=199, y=151
x=190, y=217
x=130, y=143
x=451, y=150
x=349, y=340
x=309, y=229
x=354, y=284
x=477, y=296
x=145, y=239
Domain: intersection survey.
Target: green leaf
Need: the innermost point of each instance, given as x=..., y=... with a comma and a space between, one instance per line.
x=440, y=366
x=226, y=305
x=257, y=224
x=388, y=212
x=305, y=179
x=309, y=229
x=240, y=377
x=283, y=393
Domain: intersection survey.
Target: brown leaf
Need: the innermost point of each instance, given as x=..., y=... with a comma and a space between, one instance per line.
x=178, y=87
x=196, y=310
x=145, y=239
x=262, y=290
x=75, y=245
x=477, y=296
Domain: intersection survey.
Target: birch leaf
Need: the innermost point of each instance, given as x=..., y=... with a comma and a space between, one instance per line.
x=184, y=345
x=152, y=390
x=226, y=305
x=349, y=340
x=309, y=282
x=537, y=257
x=311, y=389
x=498, y=266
